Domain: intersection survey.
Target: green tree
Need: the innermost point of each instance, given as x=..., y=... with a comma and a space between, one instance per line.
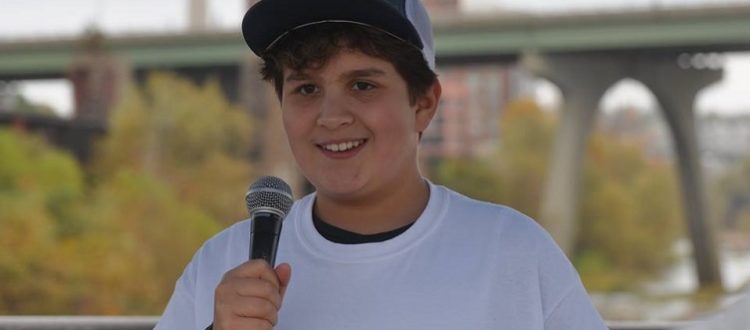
x=515, y=174
x=152, y=235
x=171, y=172
x=40, y=190
x=630, y=216
x=186, y=134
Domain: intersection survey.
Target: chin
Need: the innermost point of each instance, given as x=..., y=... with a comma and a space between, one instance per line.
x=338, y=189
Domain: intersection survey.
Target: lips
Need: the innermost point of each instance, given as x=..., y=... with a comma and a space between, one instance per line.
x=342, y=148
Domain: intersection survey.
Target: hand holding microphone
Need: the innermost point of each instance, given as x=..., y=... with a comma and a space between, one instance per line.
x=250, y=295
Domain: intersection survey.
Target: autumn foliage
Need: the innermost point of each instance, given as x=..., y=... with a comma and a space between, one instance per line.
x=111, y=238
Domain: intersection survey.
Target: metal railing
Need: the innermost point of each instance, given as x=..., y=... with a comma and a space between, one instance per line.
x=77, y=322
x=148, y=322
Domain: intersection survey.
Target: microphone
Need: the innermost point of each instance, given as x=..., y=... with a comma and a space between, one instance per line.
x=268, y=201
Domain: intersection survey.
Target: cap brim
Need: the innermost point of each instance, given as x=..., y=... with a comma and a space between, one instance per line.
x=269, y=20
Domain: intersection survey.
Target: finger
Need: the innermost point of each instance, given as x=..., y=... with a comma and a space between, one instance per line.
x=256, y=308
x=256, y=268
x=242, y=323
x=255, y=287
x=284, y=273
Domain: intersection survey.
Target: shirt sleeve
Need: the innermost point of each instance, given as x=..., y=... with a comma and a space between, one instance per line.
x=574, y=311
x=180, y=311
x=566, y=304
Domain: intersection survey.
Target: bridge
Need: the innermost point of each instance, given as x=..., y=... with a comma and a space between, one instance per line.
x=583, y=54
x=458, y=40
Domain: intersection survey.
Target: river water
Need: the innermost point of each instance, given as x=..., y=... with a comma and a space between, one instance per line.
x=668, y=298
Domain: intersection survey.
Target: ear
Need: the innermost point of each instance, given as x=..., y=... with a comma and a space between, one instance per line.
x=426, y=106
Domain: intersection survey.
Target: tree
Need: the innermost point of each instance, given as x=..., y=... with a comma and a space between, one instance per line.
x=514, y=175
x=630, y=216
x=40, y=190
x=188, y=135
x=171, y=172
x=152, y=233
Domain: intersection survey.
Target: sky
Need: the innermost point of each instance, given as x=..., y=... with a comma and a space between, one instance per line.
x=30, y=18
x=26, y=19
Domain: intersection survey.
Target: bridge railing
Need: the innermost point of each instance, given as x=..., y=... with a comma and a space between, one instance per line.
x=77, y=322
x=148, y=322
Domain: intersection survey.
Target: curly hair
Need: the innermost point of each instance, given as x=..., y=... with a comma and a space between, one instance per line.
x=311, y=48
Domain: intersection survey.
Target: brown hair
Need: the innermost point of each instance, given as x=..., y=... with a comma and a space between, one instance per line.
x=311, y=48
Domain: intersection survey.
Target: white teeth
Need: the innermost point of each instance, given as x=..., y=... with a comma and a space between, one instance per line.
x=343, y=146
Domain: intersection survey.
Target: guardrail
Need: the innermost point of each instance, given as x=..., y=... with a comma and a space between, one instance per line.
x=148, y=322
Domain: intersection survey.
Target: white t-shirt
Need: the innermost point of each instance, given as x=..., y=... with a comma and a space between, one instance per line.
x=464, y=264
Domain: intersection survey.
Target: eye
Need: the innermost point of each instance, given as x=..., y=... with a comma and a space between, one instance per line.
x=307, y=89
x=362, y=86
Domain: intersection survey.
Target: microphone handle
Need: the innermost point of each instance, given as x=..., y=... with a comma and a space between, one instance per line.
x=265, y=232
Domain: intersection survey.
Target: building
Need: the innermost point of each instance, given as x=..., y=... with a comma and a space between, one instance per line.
x=467, y=122
x=723, y=140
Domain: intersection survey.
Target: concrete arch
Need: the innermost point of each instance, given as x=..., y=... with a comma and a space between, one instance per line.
x=676, y=88
x=628, y=85
x=583, y=78
x=581, y=92
x=630, y=94
x=547, y=94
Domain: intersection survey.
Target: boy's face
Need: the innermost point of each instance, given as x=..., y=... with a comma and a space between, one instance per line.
x=351, y=126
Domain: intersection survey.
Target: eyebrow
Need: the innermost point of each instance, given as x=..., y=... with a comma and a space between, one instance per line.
x=297, y=76
x=369, y=72
x=364, y=73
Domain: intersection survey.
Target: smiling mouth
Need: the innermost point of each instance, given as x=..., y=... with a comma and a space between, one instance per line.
x=342, y=146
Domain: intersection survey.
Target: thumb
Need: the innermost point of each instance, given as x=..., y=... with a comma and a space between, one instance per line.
x=284, y=272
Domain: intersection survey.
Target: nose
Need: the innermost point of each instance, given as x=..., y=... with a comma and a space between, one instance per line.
x=334, y=113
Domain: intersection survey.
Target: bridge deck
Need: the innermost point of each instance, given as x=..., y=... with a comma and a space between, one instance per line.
x=467, y=38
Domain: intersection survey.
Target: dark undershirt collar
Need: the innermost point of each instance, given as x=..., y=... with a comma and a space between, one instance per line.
x=343, y=236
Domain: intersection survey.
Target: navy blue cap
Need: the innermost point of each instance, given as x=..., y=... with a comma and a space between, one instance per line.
x=268, y=21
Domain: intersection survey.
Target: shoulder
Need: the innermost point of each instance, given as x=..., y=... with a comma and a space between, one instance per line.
x=480, y=209
x=520, y=240
x=231, y=244
x=495, y=219
x=502, y=228
x=223, y=242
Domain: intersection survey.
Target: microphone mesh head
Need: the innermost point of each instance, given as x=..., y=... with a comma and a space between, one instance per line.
x=269, y=193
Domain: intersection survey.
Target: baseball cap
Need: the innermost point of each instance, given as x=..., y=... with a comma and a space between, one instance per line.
x=268, y=21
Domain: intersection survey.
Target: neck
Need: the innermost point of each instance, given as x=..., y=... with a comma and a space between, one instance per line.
x=378, y=212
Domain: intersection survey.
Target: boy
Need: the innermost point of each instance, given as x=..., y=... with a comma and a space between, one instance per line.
x=376, y=246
